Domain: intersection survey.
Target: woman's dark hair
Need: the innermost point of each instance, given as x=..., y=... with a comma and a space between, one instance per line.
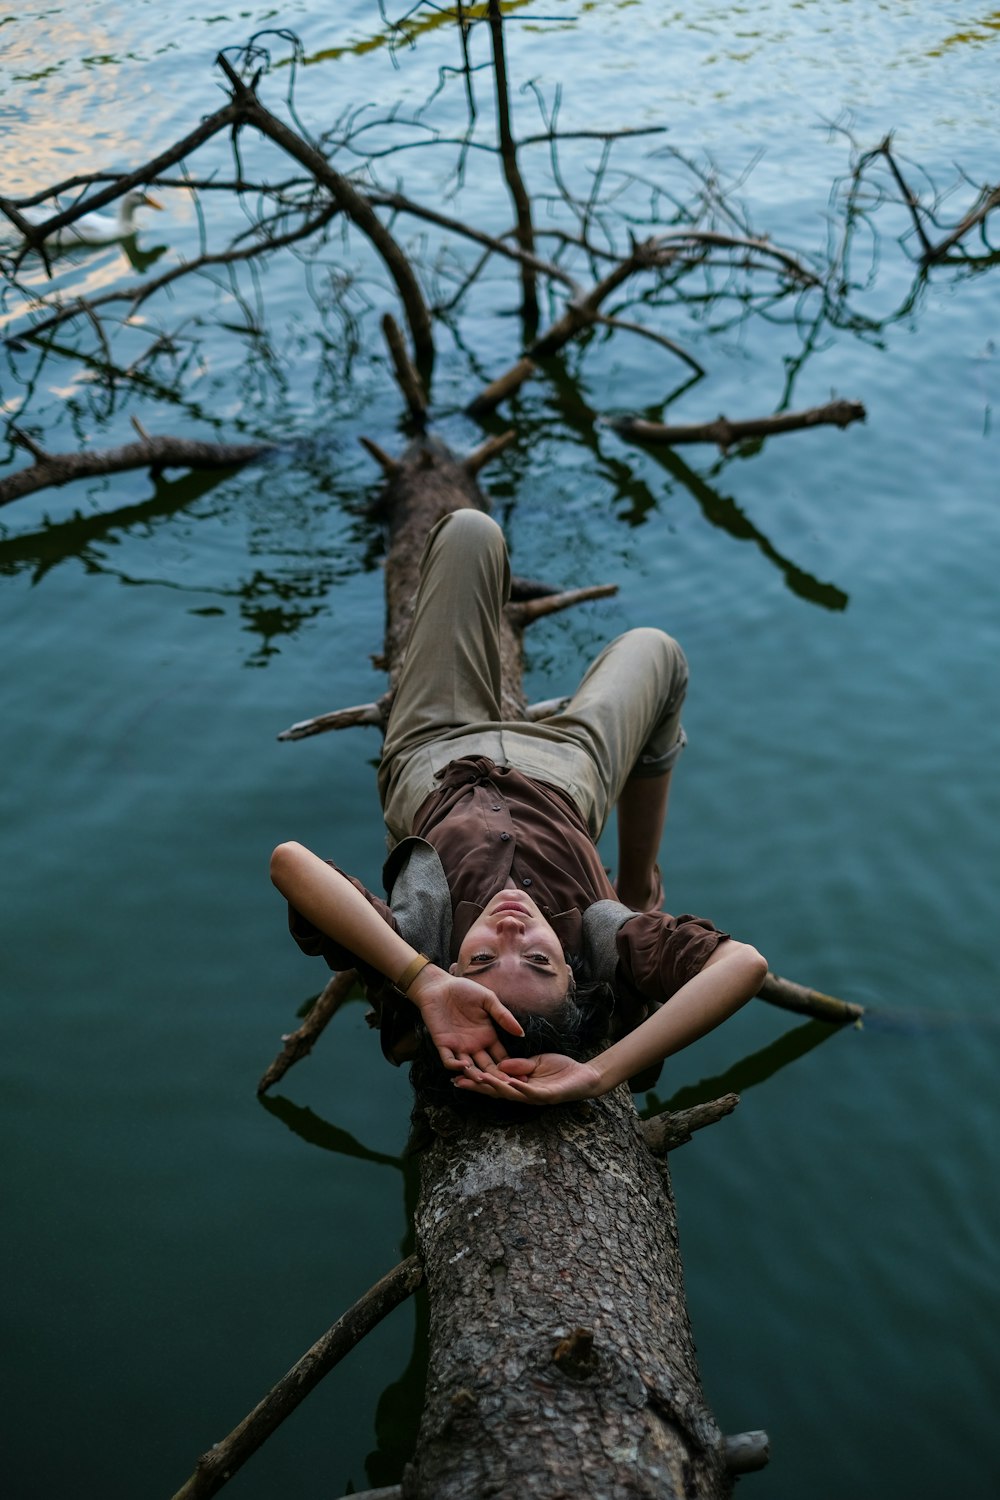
x=579, y=1027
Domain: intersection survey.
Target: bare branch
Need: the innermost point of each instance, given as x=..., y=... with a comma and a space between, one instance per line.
x=545, y=709
x=521, y=615
x=725, y=433
x=487, y=452
x=988, y=200
x=140, y=293
x=374, y=714
x=491, y=396
x=788, y=995
x=544, y=137
x=26, y=441
x=580, y=312
x=386, y=463
x=299, y=1043
x=402, y=204
x=649, y=333
x=406, y=375
x=354, y=204
x=55, y=469
x=762, y=246
x=228, y=115
x=742, y=1452
x=909, y=198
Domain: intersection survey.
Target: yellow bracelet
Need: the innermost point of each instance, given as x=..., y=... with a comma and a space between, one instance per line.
x=413, y=968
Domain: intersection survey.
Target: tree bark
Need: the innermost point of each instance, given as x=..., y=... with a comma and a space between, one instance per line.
x=561, y=1357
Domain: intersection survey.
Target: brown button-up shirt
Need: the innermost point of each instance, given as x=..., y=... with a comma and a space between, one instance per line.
x=491, y=824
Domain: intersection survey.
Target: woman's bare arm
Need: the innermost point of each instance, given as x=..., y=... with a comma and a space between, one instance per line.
x=730, y=977
x=458, y=1013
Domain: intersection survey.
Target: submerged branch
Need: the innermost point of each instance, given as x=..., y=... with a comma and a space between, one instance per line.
x=223, y=1459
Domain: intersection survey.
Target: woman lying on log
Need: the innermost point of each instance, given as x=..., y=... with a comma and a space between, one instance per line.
x=504, y=934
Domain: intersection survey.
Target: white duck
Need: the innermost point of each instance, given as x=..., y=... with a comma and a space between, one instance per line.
x=97, y=229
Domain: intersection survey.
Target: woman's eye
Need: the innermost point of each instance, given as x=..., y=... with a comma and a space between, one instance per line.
x=539, y=958
x=480, y=958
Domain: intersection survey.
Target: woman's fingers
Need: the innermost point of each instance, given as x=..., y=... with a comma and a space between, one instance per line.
x=489, y=1058
x=498, y=1012
x=519, y=1067
x=493, y=1084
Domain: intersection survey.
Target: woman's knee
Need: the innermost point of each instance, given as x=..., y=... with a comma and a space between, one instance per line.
x=662, y=652
x=469, y=545
x=469, y=530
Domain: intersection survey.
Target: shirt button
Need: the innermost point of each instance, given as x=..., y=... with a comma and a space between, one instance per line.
x=505, y=838
x=526, y=882
x=496, y=807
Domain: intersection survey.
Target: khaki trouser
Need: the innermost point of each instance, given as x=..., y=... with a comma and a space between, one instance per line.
x=623, y=719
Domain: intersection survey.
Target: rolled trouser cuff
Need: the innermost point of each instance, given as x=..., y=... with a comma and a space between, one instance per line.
x=659, y=765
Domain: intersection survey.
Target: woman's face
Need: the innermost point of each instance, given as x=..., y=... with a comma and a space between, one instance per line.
x=513, y=951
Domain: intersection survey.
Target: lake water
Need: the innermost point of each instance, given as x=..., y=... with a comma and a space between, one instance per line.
x=172, y=1245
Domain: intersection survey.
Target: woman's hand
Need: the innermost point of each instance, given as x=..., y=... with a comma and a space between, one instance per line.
x=549, y=1078
x=462, y=1017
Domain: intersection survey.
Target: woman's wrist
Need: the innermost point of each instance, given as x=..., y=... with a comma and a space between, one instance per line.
x=410, y=974
x=423, y=980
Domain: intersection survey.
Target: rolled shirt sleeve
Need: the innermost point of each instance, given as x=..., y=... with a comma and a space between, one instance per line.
x=658, y=953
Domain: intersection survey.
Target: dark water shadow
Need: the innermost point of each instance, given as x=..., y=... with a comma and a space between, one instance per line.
x=75, y=537
x=719, y=510
x=722, y=511
x=316, y=1131
x=397, y=1414
x=752, y=1070
x=272, y=605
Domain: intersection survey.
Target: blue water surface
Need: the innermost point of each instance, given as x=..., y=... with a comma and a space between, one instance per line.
x=172, y=1245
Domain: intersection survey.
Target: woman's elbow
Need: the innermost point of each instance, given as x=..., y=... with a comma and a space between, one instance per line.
x=283, y=861
x=756, y=967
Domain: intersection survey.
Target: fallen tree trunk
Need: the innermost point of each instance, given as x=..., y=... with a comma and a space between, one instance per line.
x=561, y=1356
x=561, y=1361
